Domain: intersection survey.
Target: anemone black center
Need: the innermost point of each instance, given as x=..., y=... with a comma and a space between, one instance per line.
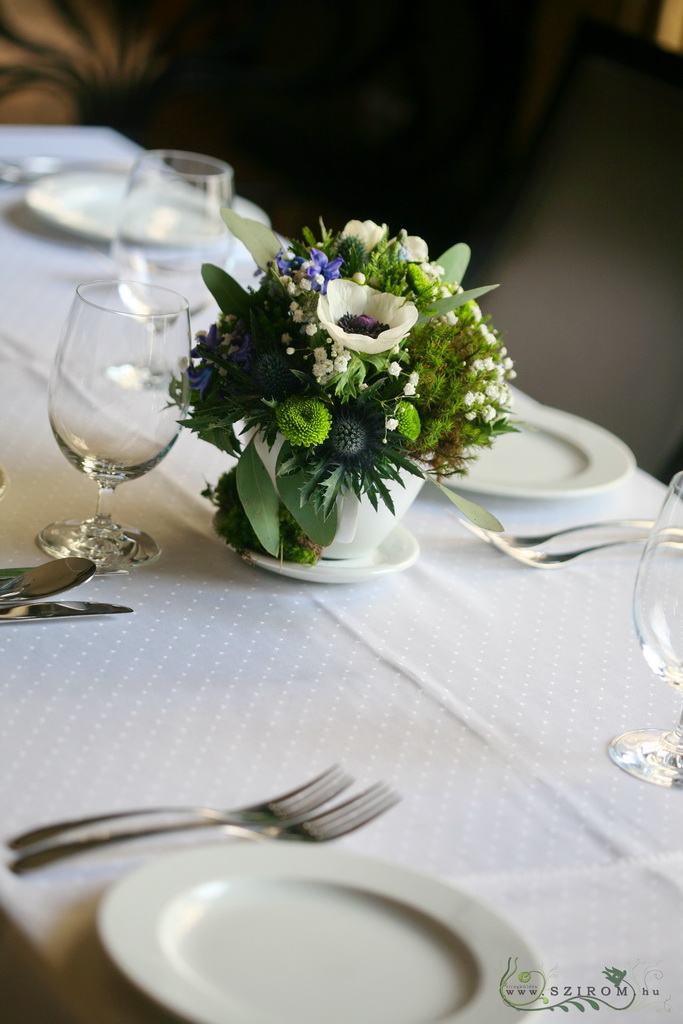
x=362, y=323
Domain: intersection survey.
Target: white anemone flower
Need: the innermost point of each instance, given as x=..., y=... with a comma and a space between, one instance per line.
x=418, y=250
x=389, y=316
x=369, y=233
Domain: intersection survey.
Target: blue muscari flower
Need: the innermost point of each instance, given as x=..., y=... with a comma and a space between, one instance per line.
x=243, y=354
x=200, y=376
x=288, y=266
x=321, y=265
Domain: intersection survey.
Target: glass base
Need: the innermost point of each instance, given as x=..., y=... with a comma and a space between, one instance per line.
x=647, y=754
x=116, y=548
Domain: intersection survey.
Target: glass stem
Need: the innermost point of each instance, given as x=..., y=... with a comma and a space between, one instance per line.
x=105, y=502
x=673, y=743
x=677, y=736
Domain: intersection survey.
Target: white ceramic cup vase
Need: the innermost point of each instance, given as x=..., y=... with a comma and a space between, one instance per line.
x=361, y=528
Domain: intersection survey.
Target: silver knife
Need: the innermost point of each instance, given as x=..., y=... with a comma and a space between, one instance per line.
x=53, y=610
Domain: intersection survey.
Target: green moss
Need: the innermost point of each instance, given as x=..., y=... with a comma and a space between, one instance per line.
x=443, y=354
x=234, y=527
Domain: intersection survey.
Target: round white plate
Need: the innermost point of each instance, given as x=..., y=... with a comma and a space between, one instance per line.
x=281, y=933
x=555, y=455
x=399, y=551
x=86, y=203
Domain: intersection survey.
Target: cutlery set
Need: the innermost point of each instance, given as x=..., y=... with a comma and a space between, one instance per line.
x=46, y=580
x=62, y=574
x=525, y=549
x=288, y=816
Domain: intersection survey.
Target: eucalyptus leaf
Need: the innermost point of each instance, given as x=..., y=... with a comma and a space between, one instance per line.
x=259, y=498
x=321, y=531
x=450, y=302
x=455, y=262
x=261, y=241
x=475, y=513
x=230, y=296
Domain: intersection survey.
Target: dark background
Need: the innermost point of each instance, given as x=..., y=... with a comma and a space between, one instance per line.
x=416, y=115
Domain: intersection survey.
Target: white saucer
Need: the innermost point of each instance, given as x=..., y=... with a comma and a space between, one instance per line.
x=555, y=455
x=283, y=933
x=86, y=203
x=399, y=551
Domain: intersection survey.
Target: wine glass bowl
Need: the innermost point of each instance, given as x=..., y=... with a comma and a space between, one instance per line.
x=170, y=221
x=117, y=392
x=650, y=754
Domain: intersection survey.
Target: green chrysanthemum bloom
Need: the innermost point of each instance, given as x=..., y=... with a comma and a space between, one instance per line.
x=305, y=422
x=408, y=421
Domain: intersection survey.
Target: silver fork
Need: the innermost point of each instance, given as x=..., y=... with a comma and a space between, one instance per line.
x=333, y=823
x=522, y=548
x=294, y=804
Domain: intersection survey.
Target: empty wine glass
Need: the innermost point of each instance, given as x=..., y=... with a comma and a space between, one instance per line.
x=170, y=221
x=658, y=615
x=117, y=391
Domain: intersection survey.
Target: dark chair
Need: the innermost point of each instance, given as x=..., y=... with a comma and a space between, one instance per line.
x=588, y=249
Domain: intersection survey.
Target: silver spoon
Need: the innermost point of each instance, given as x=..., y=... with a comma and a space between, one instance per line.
x=47, y=579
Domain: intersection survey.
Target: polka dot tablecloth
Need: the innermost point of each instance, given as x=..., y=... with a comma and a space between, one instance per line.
x=483, y=691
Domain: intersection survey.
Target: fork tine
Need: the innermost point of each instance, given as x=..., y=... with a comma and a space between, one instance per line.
x=293, y=804
x=351, y=814
x=312, y=794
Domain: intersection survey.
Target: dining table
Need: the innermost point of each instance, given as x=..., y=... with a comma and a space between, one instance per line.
x=483, y=691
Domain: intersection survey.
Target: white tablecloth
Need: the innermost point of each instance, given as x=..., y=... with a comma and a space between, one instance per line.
x=485, y=692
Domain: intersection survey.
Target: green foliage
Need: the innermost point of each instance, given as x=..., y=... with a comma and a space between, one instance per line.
x=451, y=302
x=232, y=523
x=259, y=498
x=475, y=513
x=384, y=272
x=443, y=354
x=455, y=262
x=261, y=241
x=422, y=285
x=230, y=296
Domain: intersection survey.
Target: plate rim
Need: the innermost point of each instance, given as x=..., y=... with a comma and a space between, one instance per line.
x=596, y=443
x=484, y=931
x=32, y=199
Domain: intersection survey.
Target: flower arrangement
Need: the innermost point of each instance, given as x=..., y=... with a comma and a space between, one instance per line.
x=363, y=359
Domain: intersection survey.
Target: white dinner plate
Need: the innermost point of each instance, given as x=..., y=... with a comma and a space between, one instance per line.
x=555, y=455
x=399, y=551
x=282, y=933
x=86, y=203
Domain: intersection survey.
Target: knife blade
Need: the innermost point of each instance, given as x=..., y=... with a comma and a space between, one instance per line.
x=53, y=610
